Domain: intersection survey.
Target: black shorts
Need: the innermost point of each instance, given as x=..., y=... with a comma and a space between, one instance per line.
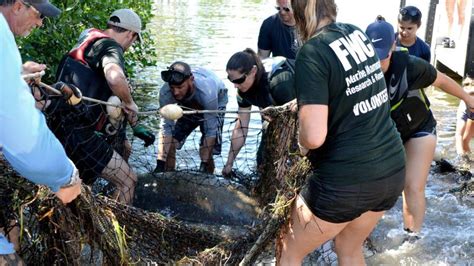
x=339, y=204
x=428, y=128
x=89, y=151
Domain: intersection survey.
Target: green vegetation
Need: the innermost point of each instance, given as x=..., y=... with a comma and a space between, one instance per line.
x=58, y=35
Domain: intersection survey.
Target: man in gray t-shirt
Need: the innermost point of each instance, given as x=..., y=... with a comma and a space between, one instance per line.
x=197, y=89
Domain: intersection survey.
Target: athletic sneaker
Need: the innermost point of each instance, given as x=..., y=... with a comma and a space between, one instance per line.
x=410, y=236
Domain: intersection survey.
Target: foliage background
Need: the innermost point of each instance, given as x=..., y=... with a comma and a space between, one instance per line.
x=58, y=35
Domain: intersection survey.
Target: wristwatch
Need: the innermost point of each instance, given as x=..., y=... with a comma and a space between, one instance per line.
x=74, y=179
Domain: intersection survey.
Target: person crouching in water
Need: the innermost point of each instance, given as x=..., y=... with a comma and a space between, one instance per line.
x=356, y=154
x=406, y=76
x=196, y=89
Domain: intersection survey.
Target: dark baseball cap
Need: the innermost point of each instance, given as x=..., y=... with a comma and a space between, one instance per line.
x=382, y=36
x=44, y=7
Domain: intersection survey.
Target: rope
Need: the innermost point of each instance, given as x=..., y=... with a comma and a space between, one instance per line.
x=151, y=112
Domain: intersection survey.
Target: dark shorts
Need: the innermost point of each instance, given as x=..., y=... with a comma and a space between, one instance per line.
x=339, y=204
x=185, y=125
x=428, y=128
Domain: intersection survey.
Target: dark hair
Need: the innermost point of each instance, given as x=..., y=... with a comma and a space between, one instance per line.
x=113, y=27
x=410, y=14
x=379, y=18
x=7, y=2
x=244, y=62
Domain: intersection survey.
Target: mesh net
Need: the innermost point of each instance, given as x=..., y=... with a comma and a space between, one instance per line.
x=101, y=226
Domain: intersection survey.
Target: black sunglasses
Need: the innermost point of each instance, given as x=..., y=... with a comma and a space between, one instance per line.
x=238, y=80
x=279, y=8
x=410, y=12
x=173, y=76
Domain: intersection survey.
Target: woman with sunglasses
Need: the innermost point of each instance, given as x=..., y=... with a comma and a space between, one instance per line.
x=356, y=155
x=409, y=21
x=255, y=86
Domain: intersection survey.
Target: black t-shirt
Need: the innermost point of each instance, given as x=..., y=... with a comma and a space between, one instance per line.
x=339, y=68
x=258, y=95
x=278, y=37
x=104, y=51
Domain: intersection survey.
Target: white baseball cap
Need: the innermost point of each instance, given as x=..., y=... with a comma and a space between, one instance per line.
x=127, y=19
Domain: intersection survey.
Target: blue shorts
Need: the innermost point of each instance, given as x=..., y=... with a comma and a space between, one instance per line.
x=344, y=203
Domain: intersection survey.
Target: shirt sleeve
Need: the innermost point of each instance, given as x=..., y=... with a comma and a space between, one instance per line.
x=211, y=120
x=421, y=74
x=27, y=143
x=109, y=53
x=5, y=246
x=425, y=51
x=264, y=36
x=311, y=77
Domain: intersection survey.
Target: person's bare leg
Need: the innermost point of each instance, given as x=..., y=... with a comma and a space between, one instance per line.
x=420, y=153
x=122, y=176
x=450, y=14
x=304, y=233
x=171, y=156
x=127, y=150
x=461, y=5
x=348, y=243
x=459, y=137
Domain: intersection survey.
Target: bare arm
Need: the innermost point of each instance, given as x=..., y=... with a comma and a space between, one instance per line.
x=312, y=129
x=450, y=86
x=120, y=87
x=263, y=53
x=239, y=134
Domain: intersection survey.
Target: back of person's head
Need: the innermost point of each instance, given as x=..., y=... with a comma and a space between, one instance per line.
x=125, y=19
x=410, y=14
x=244, y=62
x=309, y=13
x=382, y=36
x=380, y=18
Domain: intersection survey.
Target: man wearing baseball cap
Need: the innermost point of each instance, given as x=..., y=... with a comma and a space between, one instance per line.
x=406, y=77
x=25, y=139
x=96, y=65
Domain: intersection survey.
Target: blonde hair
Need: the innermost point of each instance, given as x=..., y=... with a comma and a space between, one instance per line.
x=309, y=13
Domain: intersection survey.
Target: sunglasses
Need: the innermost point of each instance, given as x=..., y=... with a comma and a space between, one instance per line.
x=286, y=9
x=238, y=80
x=173, y=76
x=38, y=14
x=410, y=12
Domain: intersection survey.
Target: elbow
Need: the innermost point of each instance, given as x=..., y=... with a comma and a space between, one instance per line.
x=314, y=143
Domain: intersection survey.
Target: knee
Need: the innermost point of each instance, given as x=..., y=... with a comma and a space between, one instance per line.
x=414, y=189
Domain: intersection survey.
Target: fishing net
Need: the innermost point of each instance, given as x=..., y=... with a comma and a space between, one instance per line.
x=96, y=229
